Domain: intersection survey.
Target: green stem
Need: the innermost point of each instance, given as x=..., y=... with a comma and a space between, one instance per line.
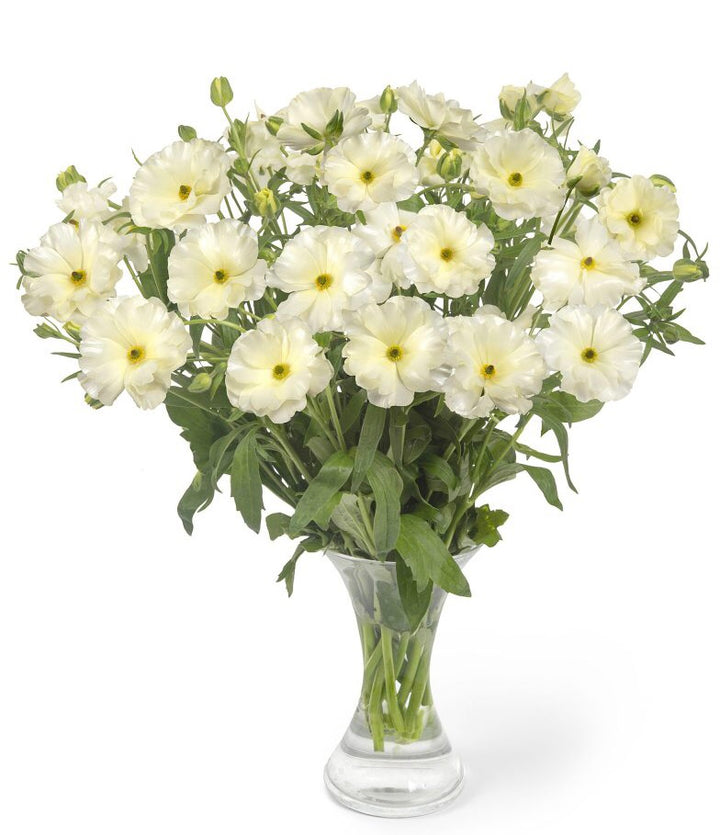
x=412, y=666
x=375, y=713
x=335, y=419
x=390, y=692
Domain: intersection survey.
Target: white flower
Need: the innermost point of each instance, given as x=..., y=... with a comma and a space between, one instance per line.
x=316, y=109
x=443, y=116
x=495, y=365
x=395, y=350
x=263, y=151
x=363, y=171
x=446, y=253
x=177, y=187
x=642, y=216
x=85, y=203
x=594, y=171
x=595, y=351
x=74, y=270
x=430, y=160
x=133, y=243
x=591, y=271
x=272, y=369
x=511, y=96
x=324, y=270
x=132, y=344
x=383, y=233
x=521, y=174
x=214, y=268
x=302, y=168
x=561, y=97
x=377, y=117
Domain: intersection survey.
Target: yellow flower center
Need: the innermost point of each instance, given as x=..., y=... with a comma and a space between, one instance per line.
x=515, y=179
x=324, y=281
x=367, y=177
x=220, y=276
x=588, y=263
x=78, y=277
x=488, y=371
x=589, y=355
x=397, y=233
x=635, y=218
x=446, y=253
x=136, y=354
x=394, y=353
x=281, y=371
x=184, y=192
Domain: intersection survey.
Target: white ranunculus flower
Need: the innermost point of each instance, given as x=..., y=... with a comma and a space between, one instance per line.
x=495, y=365
x=561, y=97
x=594, y=171
x=74, y=269
x=324, y=269
x=383, y=232
x=377, y=117
x=642, y=217
x=395, y=350
x=272, y=369
x=592, y=270
x=85, y=203
x=316, y=108
x=446, y=253
x=178, y=187
x=364, y=171
x=521, y=174
x=443, y=116
x=302, y=168
x=215, y=268
x=595, y=351
x=132, y=344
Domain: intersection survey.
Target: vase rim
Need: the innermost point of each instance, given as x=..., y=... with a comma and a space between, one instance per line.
x=461, y=557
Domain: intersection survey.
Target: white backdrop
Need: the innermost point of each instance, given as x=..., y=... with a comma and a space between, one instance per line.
x=152, y=683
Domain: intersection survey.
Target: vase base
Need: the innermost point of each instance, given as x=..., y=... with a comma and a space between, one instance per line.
x=394, y=787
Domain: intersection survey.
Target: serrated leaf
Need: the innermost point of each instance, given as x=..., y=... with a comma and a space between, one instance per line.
x=370, y=434
x=245, y=482
x=428, y=558
x=330, y=480
x=545, y=480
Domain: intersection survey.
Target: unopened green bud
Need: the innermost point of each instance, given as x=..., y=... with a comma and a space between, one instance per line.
x=68, y=177
x=388, y=100
x=687, y=270
x=45, y=331
x=268, y=255
x=241, y=165
x=186, y=133
x=273, y=124
x=71, y=329
x=221, y=93
x=265, y=202
x=450, y=165
x=201, y=382
x=660, y=180
x=334, y=128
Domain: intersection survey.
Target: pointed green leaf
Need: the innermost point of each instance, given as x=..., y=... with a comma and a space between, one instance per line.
x=545, y=480
x=245, y=482
x=331, y=478
x=370, y=434
x=427, y=556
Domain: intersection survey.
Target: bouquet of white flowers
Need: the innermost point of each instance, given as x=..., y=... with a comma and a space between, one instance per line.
x=350, y=319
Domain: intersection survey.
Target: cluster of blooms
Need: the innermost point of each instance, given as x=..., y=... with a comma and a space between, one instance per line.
x=316, y=247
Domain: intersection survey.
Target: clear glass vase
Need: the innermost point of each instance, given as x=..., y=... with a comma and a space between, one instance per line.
x=395, y=759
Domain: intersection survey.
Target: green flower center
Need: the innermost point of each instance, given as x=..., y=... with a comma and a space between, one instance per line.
x=78, y=277
x=446, y=253
x=635, y=218
x=324, y=281
x=397, y=233
x=588, y=263
x=220, y=276
x=136, y=354
x=184, y=192
x=515, y=179
x=488, y=371
x=281, y=371
x=394, y=353
x=367, y=177
x=589, y=355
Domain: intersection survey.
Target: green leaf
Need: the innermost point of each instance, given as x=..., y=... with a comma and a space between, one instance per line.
x=346, y=517
x=545, y=480
x=415, y=603
x=370, y=434
x=196, y=498
x=200, y=427
x=574, y=411
x=277, y=524
x=331, y=478
x=245, y=482
x=484, y=528
x=428, y=558
x=386, y=485
x=288, y=571
x=439, y=470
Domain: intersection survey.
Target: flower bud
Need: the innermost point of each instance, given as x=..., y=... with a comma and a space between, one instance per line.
x=92, y=402
x=221, y=93
x=273, y=124
x=589, y=171
x=687, y=270
x=201, y=382
x=186, y=133
x=265, y=202
x=68, y=177
x=450, y=164
x=388, y=100
x=334, y=128
x=660, y=180
x=72, y=330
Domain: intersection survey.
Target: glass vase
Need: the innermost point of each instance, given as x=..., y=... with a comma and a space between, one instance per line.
x=394, y=760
